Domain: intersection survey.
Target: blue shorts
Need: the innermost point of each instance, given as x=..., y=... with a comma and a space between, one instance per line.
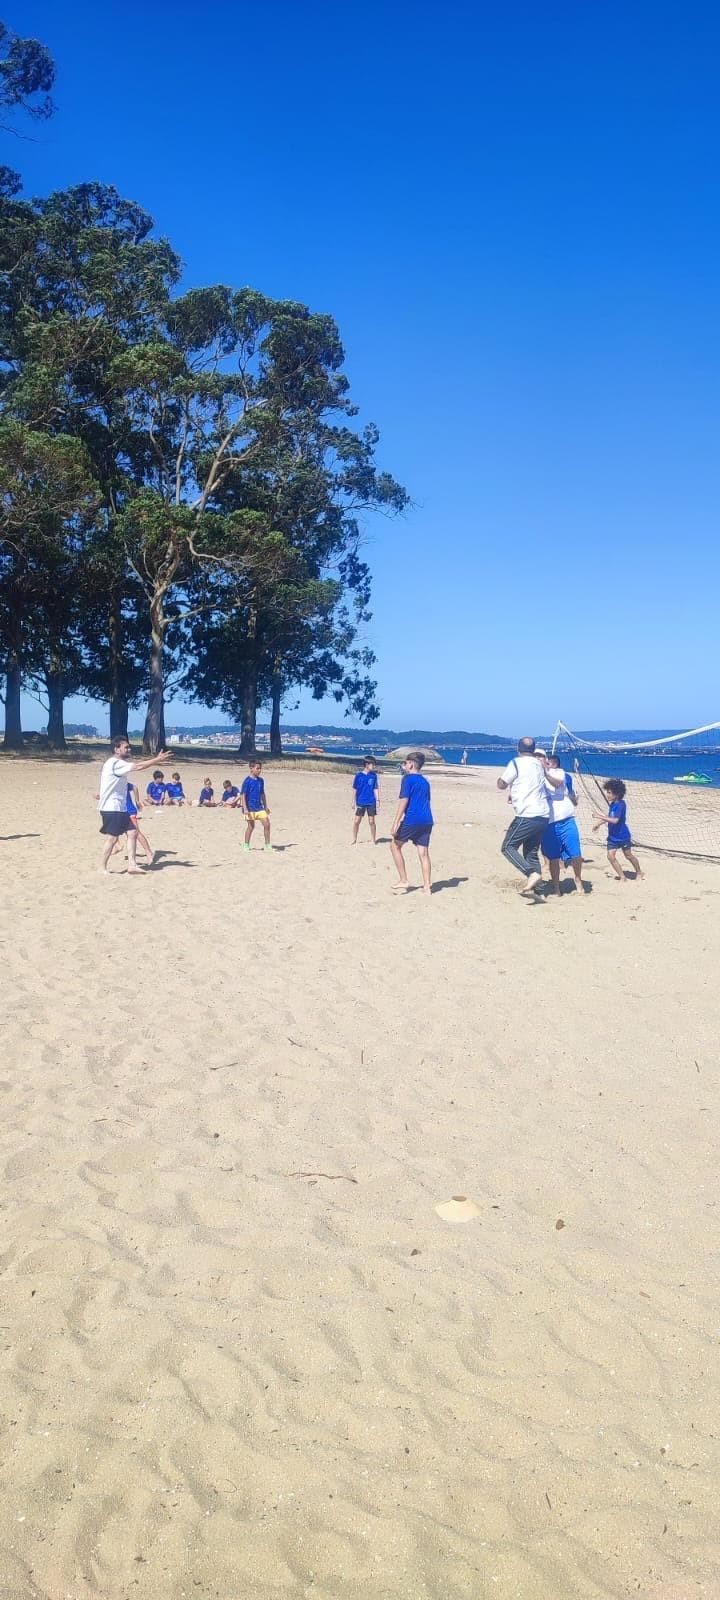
x=416, y=833
x=561, y=840
x=620, y=844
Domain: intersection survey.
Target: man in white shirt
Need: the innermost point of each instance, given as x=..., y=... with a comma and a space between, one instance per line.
x=527, y=777
x=112, y=800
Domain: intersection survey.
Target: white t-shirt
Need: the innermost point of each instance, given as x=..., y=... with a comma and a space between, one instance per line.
x=528, y=791
x=113, y=784
x=561, y=806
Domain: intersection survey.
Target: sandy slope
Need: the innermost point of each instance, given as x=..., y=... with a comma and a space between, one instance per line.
x=240, y=1354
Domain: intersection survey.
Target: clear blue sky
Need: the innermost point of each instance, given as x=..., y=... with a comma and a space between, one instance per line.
x=512, y=211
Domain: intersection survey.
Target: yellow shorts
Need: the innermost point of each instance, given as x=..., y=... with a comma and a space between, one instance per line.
x=257, y=816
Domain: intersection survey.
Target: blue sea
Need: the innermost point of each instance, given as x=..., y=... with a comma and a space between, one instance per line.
x=640, y=766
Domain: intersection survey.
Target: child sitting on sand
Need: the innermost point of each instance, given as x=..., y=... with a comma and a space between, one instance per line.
x=230, y=795
x=207, y=794
x=413, y=821
x=618, y=835
x=155, y=791
x=174, y=791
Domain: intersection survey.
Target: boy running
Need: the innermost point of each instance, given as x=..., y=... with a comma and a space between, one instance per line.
x=619, y=836
x=413, y=821
x=366, y=792
x=134, y=806
x=254, y=804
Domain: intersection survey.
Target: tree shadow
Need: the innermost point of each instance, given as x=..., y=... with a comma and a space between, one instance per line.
x=5, y=838
x=447, y=883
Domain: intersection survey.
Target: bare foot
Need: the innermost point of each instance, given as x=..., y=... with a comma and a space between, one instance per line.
x=399, y=888
x=135, y=872
x=151, y=858
x=427, y=891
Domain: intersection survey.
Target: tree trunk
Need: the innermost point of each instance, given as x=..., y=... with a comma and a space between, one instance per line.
x=119, y=711
x=249, y=710
x=249, y=693
x=13, y=725
x=277, y=687
x=118, y=700
x=56, y=699
x=154, y=735
x=13, y=680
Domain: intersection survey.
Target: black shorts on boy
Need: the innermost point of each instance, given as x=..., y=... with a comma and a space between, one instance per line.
x=115, y=822
x=414, y=833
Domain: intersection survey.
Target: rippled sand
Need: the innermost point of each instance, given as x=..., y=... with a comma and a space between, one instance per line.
x=242, y=1356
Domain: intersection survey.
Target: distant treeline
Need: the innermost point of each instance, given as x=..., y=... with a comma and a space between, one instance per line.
x=322, y=730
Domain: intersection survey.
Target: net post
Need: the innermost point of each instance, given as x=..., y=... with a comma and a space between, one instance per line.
x=556, y=736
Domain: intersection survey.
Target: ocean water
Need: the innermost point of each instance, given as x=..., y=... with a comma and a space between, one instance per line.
x=633, y=767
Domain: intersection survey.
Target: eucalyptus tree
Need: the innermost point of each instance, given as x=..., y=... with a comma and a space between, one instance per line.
x=48, y=499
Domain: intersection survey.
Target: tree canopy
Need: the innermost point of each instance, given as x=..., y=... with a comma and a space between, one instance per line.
x=182, y=480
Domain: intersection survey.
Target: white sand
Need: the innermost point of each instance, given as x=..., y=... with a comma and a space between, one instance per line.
x=242, y=1356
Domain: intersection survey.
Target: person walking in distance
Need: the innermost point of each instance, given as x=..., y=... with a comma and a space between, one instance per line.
x=526, y=776
x=112, y=800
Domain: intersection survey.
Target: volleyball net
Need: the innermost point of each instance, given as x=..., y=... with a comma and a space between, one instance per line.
x=673, y=786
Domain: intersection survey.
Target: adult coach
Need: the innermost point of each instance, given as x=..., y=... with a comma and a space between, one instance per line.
x=112, y=801
x=526, y=776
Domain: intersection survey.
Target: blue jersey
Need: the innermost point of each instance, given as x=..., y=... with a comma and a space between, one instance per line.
x=155, y=790
x=416, y=790
x=365, y=786
x=175, y=791
x=205, y=796
x=230, y=794
x=618, y=830
x=130, y=801
x=253, y=792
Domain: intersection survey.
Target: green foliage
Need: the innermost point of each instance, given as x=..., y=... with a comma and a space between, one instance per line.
x=179, y=470
x=27, y=74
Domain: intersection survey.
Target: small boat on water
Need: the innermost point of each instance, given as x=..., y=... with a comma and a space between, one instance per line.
x=700, y=779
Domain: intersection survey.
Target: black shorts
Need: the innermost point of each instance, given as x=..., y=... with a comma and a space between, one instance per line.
x=371, y=811
x=116, y=823
x=414, y=833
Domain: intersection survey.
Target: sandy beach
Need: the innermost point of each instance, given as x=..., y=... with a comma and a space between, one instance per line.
x=243, y=1357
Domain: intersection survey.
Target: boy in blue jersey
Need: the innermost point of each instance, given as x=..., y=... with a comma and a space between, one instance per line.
x=413, y=821
x=366, y=798
x=230, y=796
x=254, y=804
x=561, y=840
x=619, y=836
x=174, y=791
x=134, y=806
x=156, y=789
x=207, y=794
